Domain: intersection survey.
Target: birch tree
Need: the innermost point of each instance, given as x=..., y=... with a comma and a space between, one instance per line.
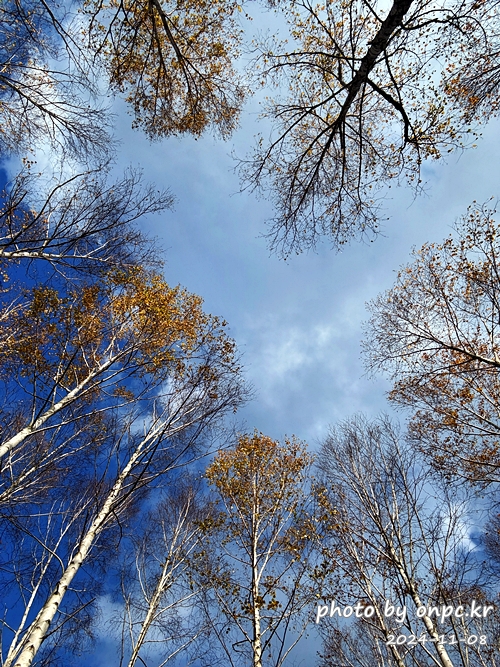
x=159, y=613
x=75, y=354
x=33, y=544
x=435, y=334
x=180, y=381
x=96, y=349
x=402, y=546
x=258, y=546
x=365, y=93
x=81, y=224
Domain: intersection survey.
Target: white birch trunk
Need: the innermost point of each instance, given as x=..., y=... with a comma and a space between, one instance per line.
x=429, y=624
x=257, y=639
x=40, y=625
x=257, y=643
x=164, y=582
x=161, y=586
x=71, y=396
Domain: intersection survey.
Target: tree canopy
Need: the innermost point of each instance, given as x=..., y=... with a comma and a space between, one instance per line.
x=256, y=557
x=366, y=92
x=123, y=479
x=435, y=332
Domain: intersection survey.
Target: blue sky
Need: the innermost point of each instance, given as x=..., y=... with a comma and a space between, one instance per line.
x=297, y=323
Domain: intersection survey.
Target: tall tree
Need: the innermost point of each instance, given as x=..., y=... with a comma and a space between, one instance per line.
x=366, y=92
x=436, y=334
x=401, y=550
x=35, y=539
x=99, y=348
x=165, y=373
x=159, y=614
x=256, y=557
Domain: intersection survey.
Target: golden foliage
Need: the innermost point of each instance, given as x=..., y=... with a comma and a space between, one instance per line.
x=131, y=319
x=436, y=332
x=173, y=60
x=259, y=541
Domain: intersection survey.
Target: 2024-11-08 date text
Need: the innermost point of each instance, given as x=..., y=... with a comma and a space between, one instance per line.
x=424, y=638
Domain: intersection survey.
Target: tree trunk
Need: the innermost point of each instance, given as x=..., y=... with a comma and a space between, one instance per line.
x=161, y=586
x=38, y=629
x=71, y=396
